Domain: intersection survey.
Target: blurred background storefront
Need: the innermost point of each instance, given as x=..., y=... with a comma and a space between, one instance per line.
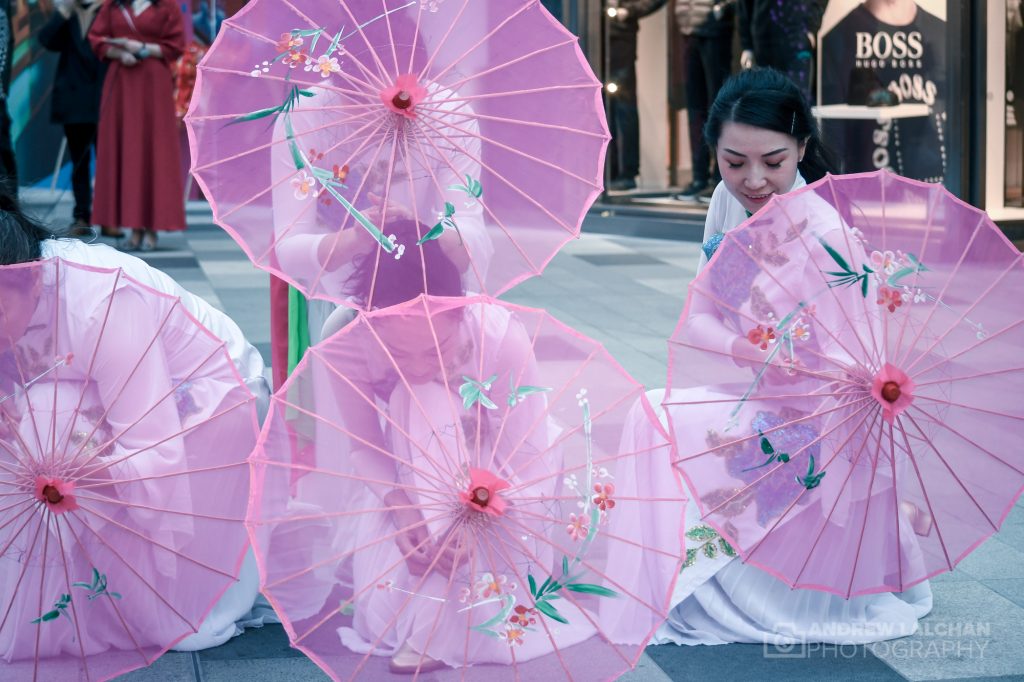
x=1002, y=192
x=41, y=157
x=973, y=116
x=958, y=119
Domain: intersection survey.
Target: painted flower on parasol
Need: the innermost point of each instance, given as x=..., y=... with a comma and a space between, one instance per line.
x=121, y=525
x=867, y=442
x=463, y=507
x=468, y=128
x=893, y=390
x=483, y=494
x=404, y=96
x=56, y=494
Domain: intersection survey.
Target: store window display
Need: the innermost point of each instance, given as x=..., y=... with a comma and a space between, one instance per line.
x=1014, y=178
x=883, y=84
x=781, y=34
x=624, y=117
x=553, y=6
x=705, y=28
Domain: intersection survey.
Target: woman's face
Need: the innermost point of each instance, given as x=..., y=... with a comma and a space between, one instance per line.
x=757, y=163
x=415, y=351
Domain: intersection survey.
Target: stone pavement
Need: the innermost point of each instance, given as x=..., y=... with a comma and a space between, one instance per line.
x=626, y=292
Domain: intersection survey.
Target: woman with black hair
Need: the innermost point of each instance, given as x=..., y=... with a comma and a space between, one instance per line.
x=138, y=163
x=23, y=240
x=761, y=130
x=766, y=142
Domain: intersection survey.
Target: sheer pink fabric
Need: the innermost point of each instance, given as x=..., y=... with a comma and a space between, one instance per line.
x=497, y=146
x=838, y=384
x=125, y=428
x=488, y=437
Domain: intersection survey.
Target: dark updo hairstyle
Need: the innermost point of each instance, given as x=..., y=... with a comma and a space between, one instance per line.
x=20, y=236
x=765, y=98
x=421, y=269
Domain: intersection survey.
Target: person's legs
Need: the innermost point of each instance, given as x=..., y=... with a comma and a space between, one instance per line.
x=8, y=166
x=629, y=124
x=716, y=57
x=81, y=138
x=624, y=159
x=613, y=144
x=697, y=105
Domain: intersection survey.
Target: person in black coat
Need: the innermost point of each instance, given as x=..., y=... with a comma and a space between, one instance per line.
x=75, y=99
x=705, y=35
x=782, y=36
x=624, y=120
x=8, y=167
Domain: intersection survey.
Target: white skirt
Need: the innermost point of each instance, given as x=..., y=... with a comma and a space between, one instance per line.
x=723, y=601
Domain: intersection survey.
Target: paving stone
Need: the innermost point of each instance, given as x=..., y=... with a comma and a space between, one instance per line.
x=971, y=632
x=810, y=663
x=993, y=559
x=269, y=641
x=263, y=670
x=171, y=667
x=646, y=670
x=1011, y=588
x=619, y=259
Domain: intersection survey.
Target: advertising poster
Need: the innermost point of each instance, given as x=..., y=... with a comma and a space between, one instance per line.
x=882, y=90
x=36, y=140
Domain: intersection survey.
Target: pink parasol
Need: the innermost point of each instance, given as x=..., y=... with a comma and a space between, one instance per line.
x=840, y=384
x=469, y=503
x=124, y=432
x=331, y=137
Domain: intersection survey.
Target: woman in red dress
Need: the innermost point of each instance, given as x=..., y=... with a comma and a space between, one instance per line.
x=138, y=164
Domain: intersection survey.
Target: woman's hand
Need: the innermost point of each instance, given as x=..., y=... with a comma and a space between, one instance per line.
x=133, y=46
x=420, y=551
x=746, y=354
x=413, y=539
x=127, y=58
x=451, y=553
x=376, y=212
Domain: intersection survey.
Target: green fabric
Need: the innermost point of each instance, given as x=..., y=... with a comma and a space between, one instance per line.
x=298, y=327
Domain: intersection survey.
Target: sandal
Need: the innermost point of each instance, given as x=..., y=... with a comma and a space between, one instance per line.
x=80, y=228
x=148, y=241
x=111, y=232
x=134, y=242
x=407, y=661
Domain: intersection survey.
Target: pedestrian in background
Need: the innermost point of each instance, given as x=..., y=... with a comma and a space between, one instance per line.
x=705, y=28
x=781, y=35
x=138, y=163
x=75, y=98
x=8, y=167
x=624, y=119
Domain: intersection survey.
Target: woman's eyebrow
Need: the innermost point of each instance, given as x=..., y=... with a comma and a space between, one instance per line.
x=771, y=153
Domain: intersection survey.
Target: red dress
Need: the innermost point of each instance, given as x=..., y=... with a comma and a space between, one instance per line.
x=138, y=163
